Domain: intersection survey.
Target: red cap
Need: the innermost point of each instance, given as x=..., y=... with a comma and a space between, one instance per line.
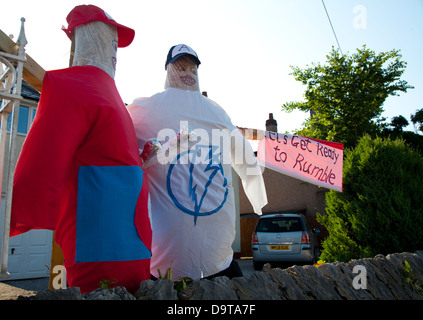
x=87, y=13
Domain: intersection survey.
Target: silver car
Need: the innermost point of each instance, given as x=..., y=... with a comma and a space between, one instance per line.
x=284, y=238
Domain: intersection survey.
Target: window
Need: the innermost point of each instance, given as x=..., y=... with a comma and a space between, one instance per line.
x=280, y=224
x=26, y=117
x=23, y=119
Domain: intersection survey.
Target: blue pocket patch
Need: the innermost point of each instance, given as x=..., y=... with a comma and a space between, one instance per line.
x=105, y=228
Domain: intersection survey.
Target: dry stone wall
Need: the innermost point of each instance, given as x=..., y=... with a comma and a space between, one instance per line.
x=379, y=278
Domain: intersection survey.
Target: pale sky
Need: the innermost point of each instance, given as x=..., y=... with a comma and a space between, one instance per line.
x=246, y=46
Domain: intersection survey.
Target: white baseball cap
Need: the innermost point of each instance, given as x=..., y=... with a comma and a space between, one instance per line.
x=178, y=51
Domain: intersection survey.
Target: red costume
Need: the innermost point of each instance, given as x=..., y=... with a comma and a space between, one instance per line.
x=79, y=173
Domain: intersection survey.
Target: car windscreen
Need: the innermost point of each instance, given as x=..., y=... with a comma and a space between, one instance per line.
x=279, y=224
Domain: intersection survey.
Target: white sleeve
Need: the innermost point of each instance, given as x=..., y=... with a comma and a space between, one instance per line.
x=246, y=166
x=137, y=111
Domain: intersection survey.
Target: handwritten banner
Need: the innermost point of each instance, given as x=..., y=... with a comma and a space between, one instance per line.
x=315, y=161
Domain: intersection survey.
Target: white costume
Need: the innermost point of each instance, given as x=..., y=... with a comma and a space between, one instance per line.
x=190, y=179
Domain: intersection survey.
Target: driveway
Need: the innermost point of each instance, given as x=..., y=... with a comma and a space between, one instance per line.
x=246, y=265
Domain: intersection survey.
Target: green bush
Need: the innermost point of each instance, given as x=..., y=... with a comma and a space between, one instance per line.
x=381, y=207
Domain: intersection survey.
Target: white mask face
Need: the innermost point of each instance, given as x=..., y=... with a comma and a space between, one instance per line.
x=96, y=45
x=183, y=74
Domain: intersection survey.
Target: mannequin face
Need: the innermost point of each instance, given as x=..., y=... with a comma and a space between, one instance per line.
x=115, y=47
x=96, y=44
x=183, y=74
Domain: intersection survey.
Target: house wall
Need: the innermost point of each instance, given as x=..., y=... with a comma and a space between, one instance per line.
x=29, y=254
x=284, y=193
x=19, y=142
x=25, y=121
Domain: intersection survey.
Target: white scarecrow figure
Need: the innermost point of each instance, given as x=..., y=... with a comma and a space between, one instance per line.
x=190, y=178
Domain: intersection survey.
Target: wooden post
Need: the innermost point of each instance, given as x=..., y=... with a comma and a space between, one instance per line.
x=33, y=73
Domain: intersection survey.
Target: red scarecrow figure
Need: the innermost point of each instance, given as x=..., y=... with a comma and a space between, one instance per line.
x=79, y=172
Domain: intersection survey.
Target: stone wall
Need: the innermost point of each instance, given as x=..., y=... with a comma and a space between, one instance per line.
x=379, y=278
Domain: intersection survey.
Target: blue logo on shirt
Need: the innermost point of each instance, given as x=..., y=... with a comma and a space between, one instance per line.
x=196, y=182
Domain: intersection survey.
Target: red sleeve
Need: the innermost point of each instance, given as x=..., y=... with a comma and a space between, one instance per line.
x=59, y=127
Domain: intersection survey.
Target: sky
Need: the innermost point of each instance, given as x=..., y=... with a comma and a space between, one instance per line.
x=246, y=47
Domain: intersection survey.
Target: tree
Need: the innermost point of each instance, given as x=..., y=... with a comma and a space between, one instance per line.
x=417, y=119
x=396, y=131
x=381, y=207
x=346, y=95
x=398, y=123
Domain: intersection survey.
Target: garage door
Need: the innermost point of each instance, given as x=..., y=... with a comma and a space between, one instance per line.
x=29, y=253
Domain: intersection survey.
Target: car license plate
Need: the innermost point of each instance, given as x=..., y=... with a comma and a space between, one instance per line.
x=279, y=247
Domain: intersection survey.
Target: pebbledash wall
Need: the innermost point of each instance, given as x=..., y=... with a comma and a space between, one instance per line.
x=284, y=194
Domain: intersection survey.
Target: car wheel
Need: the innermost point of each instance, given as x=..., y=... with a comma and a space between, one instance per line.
x=316, y=254
x=258, y=265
